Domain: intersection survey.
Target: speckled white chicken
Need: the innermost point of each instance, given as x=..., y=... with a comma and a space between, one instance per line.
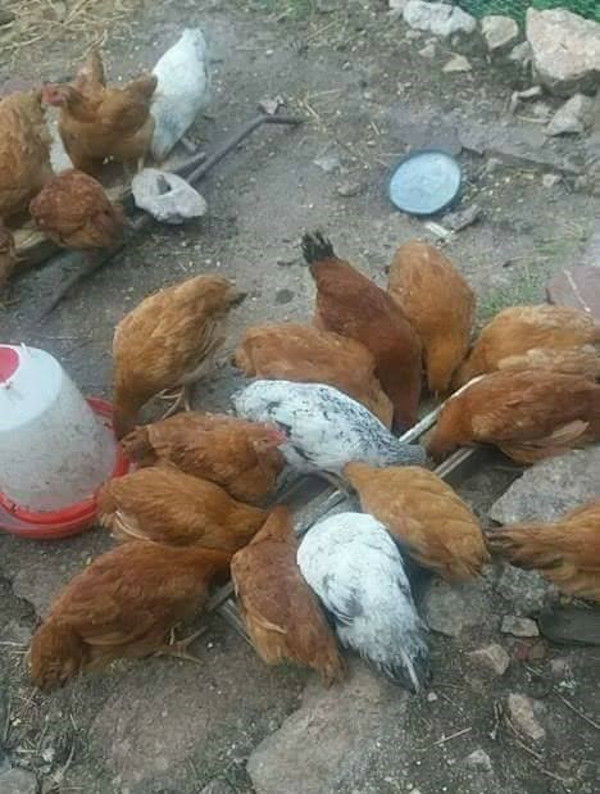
x=354, y=566
x=181, y=92
x=325, y=428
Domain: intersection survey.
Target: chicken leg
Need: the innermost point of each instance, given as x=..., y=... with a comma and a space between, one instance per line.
x=178, y=648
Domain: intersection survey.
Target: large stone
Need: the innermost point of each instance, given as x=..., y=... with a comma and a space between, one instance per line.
x=573, y=118
x=578, y=287
x=329, y=743
x=439, y=18
x=18, y=781
x=522, y=712
x=550, y=488
x=450, y=609
x=499, y=32
x=566, y=50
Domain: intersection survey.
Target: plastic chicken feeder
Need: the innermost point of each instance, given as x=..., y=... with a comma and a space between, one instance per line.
x=56, y=448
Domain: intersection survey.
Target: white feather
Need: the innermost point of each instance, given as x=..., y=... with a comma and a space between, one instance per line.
x=325, y=428
x=354, y=566
x=181, y=92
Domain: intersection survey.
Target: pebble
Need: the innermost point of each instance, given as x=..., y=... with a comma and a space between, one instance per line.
x=479, y=760
x=519, y=627
x=522, y=714
x=428, y=51
x=458, y=63
x=561, y=668
x=431, y=697
x=492, y=658
x=349, y=189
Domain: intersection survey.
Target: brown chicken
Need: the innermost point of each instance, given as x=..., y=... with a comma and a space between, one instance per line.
x=240, y=456
x=528, y=414
x=540, y=332
x=309, y=355
x=282, y=614
x=123, y=605
x=8, y=256
x=425, y=515
x=99, y=121
x=73, y=210
x=567, y=551
x=440, y=305
x=164, y=505
x=24, y=151
x=582, y=360
x=168, y=341
x=352, y=305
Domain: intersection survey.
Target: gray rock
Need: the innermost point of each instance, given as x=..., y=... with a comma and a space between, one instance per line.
x=458, y=63
x=217, y=786
x=450, y=609
x=522, y=714
x=550, y=488
x=166, y=196
x=499, y=32
x=492, y=658
x=551, y=180
x=349, y=189
x=521, y=53
x=328, y=162
x=573, y=118
x=18, y=781
x=335, y=729
x=565, y=49
x=478, y=760
x=526, y=591
x=561, y=668
x=439, y=18
x=519, y=627
x=428, y=51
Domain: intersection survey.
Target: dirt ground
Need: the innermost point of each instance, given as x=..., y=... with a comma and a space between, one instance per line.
x=169, y=726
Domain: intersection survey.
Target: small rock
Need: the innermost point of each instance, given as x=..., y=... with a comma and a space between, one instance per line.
x=549, y=489
x=561, y=668
x=439, y=18
x=6, y=16
x=523, y=717
x=459, y=220
x=283, y=296
x=18, y=781
x=48, y=754
x=479, y=760
x=491, y=657
x=527, y=591
x=458, y=63
x=328, y=163
x=499, y=32
x=449, y=609
x=217, y=786
x=578, y=287
x=431, y=697
x=565, y=49
x=349, y=189
x=551, y=180
x=270, y=105
x=428, y=51
x=573, y=118
x=521, y=53
x=519, y=627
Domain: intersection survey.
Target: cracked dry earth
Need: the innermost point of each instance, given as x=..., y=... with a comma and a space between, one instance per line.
x=503, y=719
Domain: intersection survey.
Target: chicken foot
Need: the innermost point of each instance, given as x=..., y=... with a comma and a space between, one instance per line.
x=178, y=648
x=181, y=397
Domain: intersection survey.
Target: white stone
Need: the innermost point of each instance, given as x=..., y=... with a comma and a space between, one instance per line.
x=440, y=18
x=566, y=50
x=166, y=196
x=458, y=63
x=499, y=32
x=428, y=51
x=522, y=715
x=573, y=117
x=551, y=180
x=519, y=627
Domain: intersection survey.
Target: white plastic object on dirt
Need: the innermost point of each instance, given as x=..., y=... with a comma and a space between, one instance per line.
x=181, y=92
x=167, y=197
x=54, y=453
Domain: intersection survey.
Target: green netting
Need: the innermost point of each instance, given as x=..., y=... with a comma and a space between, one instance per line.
x=518, y=8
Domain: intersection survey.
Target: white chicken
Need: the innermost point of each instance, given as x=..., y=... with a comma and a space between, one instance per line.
x=354, y=566
x=325, y=428
x=181, y=92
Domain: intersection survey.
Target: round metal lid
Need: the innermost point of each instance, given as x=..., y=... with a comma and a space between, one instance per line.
x=425, y=182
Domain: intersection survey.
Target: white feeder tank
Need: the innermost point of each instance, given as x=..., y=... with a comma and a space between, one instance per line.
x=53, y=450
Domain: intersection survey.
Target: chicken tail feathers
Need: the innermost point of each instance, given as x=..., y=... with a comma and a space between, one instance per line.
x=56, y=654
x=137, y=447
x=316, y=248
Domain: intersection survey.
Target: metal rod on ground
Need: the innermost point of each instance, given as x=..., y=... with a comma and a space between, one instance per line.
x=144, y=220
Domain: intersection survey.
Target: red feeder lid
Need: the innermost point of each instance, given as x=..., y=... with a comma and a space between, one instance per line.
x=9, y=363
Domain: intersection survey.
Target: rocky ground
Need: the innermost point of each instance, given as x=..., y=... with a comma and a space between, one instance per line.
x=507, y=711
